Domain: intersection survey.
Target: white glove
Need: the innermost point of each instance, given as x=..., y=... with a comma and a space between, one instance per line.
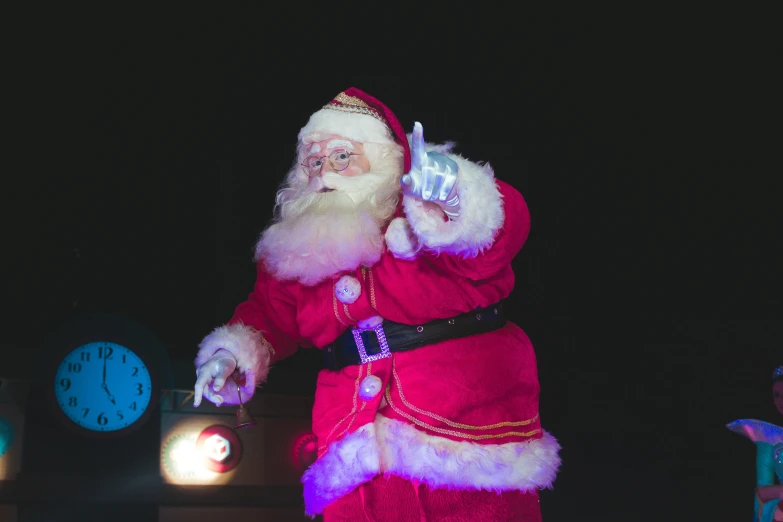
x=212, y=376
x=433, y=176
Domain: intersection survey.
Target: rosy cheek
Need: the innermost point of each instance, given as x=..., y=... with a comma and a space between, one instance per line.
x=352, y=171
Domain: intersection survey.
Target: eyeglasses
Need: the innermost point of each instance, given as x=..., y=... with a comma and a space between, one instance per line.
x=338, y=160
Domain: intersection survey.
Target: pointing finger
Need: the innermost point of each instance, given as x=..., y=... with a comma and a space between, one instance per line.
x=418, y=147
x=201, y=384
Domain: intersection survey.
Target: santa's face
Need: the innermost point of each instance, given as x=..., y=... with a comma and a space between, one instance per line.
x=331, y=212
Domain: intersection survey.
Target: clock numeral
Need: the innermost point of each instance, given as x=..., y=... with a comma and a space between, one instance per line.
x=138, y=389
x=105, y=352
x=74, y=367
x=86, y=356
x=135, y=372
x=65, y=383
x=72, y=401
x=133, y=406
x=119, y=414
x=102, y=421
x=86, y=411
x=124, y=358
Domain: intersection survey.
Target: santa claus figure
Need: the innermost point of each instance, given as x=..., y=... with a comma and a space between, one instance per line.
x=392, y=256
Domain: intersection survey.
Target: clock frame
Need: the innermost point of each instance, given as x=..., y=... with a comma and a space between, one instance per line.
x=103, y=386
x=117, y=331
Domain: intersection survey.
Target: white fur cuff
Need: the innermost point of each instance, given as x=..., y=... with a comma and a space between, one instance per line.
x=481, y=214
x=400, y=239
x=250, y=350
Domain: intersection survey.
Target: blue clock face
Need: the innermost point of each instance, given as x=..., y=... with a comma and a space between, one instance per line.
x=103, y=386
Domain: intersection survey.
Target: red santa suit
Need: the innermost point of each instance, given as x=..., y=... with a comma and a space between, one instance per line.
x=456, y=415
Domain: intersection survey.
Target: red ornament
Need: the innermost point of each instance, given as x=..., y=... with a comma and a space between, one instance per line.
x=220, y=448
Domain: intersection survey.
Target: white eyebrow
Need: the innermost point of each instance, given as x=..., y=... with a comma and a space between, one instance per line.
x=339, y=143
x=314, y=149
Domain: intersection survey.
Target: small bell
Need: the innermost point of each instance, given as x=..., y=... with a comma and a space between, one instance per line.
x=244, y=419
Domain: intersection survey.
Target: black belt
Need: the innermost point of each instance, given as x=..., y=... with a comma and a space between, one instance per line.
x=356, y=346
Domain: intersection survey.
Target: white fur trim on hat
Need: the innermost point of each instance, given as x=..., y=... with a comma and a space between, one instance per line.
x=400, y=239
x=354, y=126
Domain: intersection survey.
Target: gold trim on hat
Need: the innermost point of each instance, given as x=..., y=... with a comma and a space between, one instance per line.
x=346, y=103
x=350, y=100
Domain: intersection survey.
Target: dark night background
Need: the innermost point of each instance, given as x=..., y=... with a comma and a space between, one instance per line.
x=143, y=152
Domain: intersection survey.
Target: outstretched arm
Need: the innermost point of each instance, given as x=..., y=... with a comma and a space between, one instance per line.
x=262, y=331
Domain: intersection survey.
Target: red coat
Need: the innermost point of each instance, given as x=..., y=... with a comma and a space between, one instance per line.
x=460, y=413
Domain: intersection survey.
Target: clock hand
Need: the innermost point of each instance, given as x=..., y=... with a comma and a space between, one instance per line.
x=106, y=388
x=103, y=384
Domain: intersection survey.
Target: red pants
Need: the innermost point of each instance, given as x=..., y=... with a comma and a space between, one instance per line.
x=399, y=500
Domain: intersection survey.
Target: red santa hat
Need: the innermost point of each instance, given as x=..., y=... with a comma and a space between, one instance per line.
x=356, y=115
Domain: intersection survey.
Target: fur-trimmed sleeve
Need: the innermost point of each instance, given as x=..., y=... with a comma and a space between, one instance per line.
x=249, y=348
x=481, y=214
x=493, y=225
x=262, y=331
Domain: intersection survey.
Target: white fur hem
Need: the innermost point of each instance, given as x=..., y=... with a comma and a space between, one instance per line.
x=347, y=464
x=393, y=447
x=249, y=348
x=481, y=214
x=354, y=126
x=400, y=239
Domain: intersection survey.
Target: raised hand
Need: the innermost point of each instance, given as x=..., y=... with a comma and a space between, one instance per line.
x=212, y=375
x=433, y=176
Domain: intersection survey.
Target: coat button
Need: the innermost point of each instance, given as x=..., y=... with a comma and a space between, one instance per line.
x=370, y=322
x=347, y=289
x=370, y=387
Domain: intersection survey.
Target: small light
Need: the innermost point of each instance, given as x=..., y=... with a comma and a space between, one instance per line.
x=6, y=435
x=182, y=463
x=305, y=450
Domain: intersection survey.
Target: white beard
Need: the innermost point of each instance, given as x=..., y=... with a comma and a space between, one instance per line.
x=316, y=235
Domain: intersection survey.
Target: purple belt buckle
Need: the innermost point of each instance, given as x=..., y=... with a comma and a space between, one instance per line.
x=381, y=335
